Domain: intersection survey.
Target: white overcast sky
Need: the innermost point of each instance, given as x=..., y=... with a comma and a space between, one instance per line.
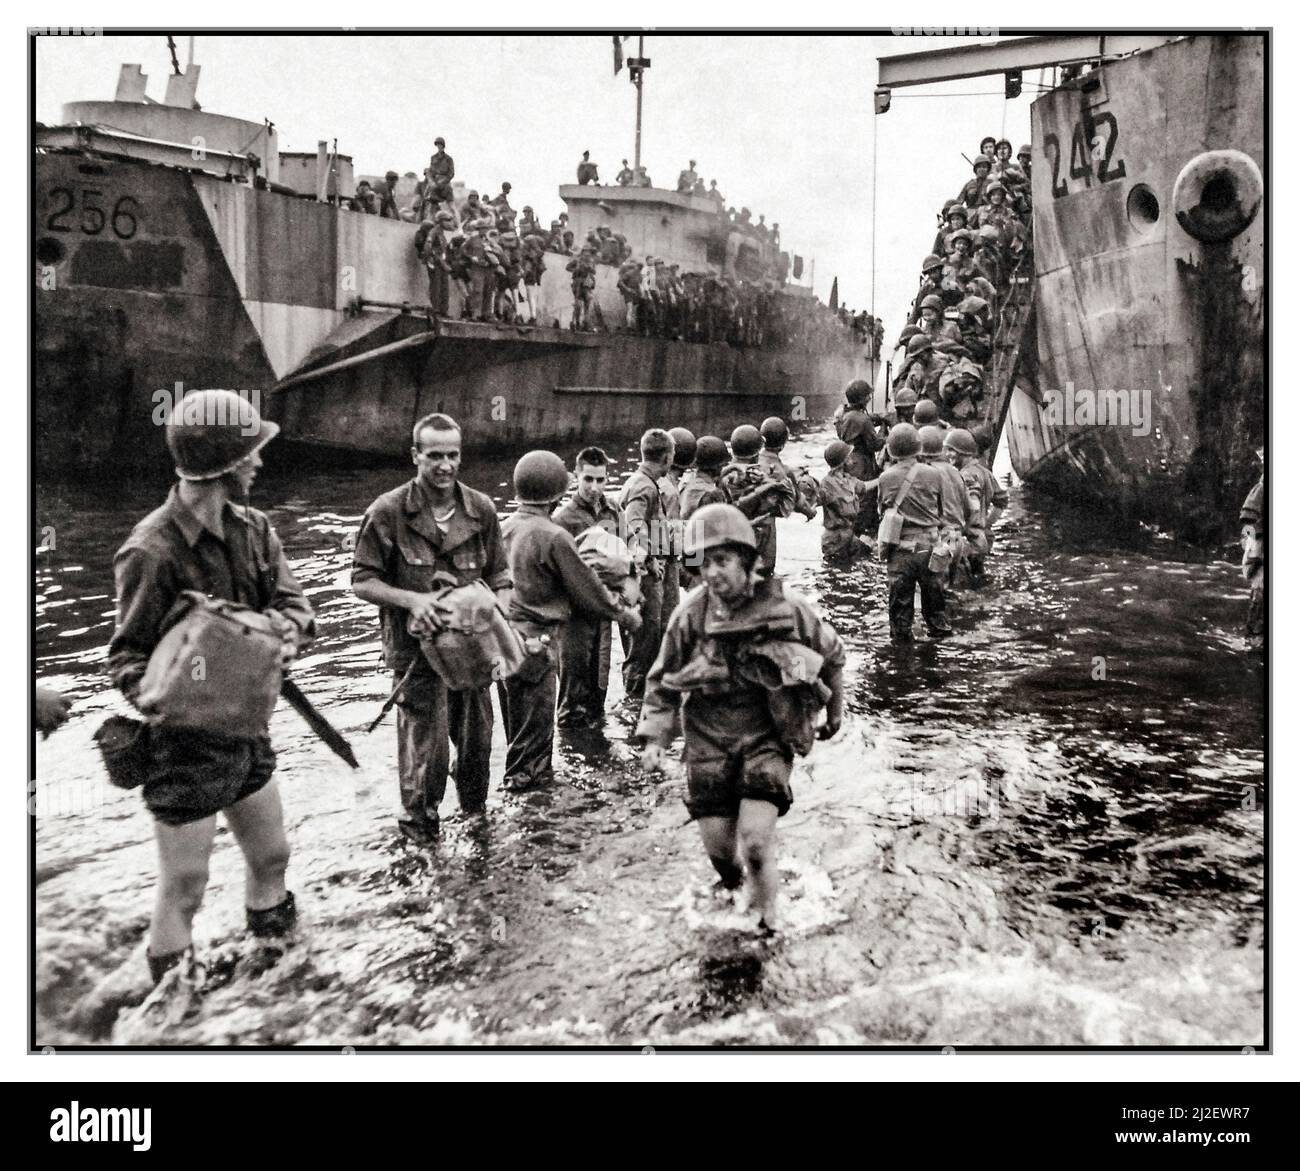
x=783, y=122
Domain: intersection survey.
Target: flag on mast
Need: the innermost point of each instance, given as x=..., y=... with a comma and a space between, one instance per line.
x=835, y=293
x=618, y=53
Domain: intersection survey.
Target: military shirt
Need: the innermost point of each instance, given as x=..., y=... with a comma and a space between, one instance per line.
x=922, y=508
x=172, y=550
x=699, y=490
x=576, y=516
x=400, y=544
x=550, y=578
x=644, y=515
x=443, y=167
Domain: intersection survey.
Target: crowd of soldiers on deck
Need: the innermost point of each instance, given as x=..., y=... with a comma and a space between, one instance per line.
x=982, y=245
x=495, y=257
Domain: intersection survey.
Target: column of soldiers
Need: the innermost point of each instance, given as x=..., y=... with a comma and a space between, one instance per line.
x=983, y=242
x=742, y=664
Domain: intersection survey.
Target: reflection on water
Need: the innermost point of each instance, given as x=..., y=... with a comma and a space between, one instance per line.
x=1045, y=830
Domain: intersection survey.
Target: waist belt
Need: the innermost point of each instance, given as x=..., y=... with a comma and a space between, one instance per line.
x=924, y=540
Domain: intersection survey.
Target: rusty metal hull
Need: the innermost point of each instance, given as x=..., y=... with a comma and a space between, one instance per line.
x=1134, y=310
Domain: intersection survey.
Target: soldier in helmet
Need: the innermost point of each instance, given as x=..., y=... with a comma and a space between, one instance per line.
x=923, y=367
x=760, y=497
x=972, y=194
x=911, y=497
x=583, y=283
x=983, y=492
x=629, y=285
x=988, y=254
x=958, y=216
x=931, y=283
x=202, y=540
x=961, y=391
x=551, y=583
x=904, y=406
x=625, y=176
x=431, y=246
x=587, y=170
x=711, y=456
x=442, y=170
x=533, y=261
x=746, y=665
x=431, y=532
x=647, y=534
x=855, y=427
x=848, y=508
x=670, y=490
x=995, y=213
x=1003, y=167
x=481, y=264
x=687, y=179
x=775, y=435
x=958, y=510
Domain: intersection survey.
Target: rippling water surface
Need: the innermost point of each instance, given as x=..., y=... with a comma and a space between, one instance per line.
x=1045, y=830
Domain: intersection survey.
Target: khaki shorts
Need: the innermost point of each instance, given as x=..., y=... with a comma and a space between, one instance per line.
x=715, y=786
x=192, y=775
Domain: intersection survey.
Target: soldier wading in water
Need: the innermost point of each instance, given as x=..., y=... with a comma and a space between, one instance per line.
x=750, y=664
x=200, y=540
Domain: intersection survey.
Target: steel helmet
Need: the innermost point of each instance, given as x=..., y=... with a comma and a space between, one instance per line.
x=745, y=440
x=837, y=451
x=961, y=234
x=906, y=397
x=972, y=305
x=903, y=441
x=717, y=524
x=540, y=477
x=983, y=438
x=1025, y=152
x=982, y=161
x=710, y=452
x=927, y=411
x=957, y=209
x=211, y=432
x=774, y=432
x=996, y=185
x=684, y=447
x=909, y=332
x=961, y=441
x=1001, y=142
x=445, y=217
x=930, y=262
x=989, y=234
x=931, y=439
x=857, y=392
x=932, y=301
x=918, y=344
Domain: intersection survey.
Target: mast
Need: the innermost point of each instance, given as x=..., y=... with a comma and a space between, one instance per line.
x=636, y=68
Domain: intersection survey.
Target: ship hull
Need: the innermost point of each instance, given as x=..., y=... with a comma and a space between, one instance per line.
x=513, y=387
x=153, y=280
x=1149, y=391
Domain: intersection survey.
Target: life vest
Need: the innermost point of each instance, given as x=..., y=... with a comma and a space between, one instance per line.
x=758, y=647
